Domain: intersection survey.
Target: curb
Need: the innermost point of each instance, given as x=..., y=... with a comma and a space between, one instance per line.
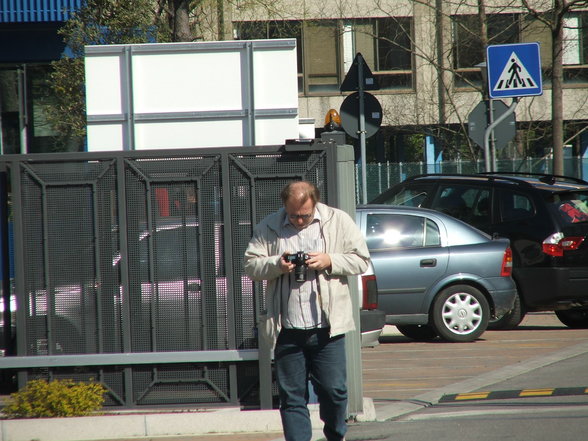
x=157, y=424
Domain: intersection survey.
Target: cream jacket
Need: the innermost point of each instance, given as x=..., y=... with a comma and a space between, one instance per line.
x=349, y=255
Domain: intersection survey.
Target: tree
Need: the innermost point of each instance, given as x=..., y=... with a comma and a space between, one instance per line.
x=98, y=22
x=121, y=22
x=552, y=14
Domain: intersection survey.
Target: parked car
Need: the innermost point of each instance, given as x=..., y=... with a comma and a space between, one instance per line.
x=437, y=276
x=372, y=319
x=544, y=216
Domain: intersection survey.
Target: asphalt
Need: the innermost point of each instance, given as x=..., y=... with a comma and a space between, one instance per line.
x=558, y=372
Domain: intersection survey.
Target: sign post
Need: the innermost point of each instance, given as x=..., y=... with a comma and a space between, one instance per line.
x=360, y=78
x=514, y=70
x=484, y=115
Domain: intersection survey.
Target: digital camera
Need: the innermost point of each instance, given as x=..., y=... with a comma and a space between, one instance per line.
x=299, y=259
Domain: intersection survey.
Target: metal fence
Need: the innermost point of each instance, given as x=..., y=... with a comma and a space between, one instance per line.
x=128, y=267
x=381, y=176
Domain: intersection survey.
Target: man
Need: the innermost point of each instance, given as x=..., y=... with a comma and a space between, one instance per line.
x=308, y=319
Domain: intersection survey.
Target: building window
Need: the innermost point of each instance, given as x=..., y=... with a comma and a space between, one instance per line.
x=468, y=48
x=326, y=49
x=261, y=30
x=575, y=48
x=385, y=44
x=322, y=65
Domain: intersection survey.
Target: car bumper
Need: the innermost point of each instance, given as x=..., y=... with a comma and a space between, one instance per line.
x=372, y=323
x=503, y=292
x=544, y=288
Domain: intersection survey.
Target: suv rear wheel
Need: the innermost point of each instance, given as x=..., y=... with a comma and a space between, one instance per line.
x=576, y=318
x=511, y=319
x=460, y=313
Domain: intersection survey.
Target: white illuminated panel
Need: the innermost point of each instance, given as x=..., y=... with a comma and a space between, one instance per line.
x=185, y=95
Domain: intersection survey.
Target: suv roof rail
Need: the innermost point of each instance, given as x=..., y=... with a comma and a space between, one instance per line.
x=543, y=177
x=510, y=176
x=489, y=175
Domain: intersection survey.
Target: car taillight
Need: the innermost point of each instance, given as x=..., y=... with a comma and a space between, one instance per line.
x=506, y=269
x=557, y=243
x=370, y=292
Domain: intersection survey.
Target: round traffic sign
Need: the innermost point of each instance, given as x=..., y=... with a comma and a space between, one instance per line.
x=350, y=114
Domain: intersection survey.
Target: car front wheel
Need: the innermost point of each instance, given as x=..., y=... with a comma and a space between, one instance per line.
x=576, y=318
x=460, y=313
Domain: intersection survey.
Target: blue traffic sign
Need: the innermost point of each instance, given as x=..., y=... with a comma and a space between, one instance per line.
x=514, y=70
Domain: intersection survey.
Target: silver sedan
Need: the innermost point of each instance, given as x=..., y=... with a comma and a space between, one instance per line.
x=437, y=276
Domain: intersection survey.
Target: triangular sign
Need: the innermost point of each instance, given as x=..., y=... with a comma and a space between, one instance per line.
x=351, y=81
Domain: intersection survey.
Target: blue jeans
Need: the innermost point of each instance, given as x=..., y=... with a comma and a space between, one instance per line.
x=301, y=355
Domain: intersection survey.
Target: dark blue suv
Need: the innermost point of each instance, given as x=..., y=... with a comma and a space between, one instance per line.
x=544, y=216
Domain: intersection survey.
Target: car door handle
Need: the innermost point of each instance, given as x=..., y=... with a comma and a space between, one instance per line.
x=428, y=262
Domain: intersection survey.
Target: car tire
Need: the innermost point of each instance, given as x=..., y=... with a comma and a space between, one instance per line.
x=576, y=318
x=511, y=319
x=460, y=313
x=418, y=332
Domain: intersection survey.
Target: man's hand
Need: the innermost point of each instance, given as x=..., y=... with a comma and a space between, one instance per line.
x=319, y=261
x=285, y=266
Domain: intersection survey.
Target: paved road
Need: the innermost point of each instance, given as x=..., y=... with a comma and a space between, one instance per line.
x=399, y=369
x=541, y=399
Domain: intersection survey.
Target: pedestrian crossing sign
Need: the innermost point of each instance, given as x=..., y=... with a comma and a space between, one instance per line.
x=514, y=70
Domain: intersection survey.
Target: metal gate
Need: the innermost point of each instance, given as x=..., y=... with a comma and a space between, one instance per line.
x=128, y=267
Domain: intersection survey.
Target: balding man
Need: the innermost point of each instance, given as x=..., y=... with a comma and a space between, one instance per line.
x=305, y=251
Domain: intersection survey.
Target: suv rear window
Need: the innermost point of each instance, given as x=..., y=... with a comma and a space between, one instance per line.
x=471, y=204
x=571, y=207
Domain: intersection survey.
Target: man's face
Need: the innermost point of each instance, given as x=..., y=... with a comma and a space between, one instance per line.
x=300, y=214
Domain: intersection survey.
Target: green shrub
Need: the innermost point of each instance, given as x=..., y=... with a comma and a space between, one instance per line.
x=58, y=398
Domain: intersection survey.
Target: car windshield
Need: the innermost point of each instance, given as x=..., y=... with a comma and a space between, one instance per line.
x=571, y=207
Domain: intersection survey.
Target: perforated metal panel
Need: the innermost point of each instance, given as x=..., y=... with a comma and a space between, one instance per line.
x=142, y=252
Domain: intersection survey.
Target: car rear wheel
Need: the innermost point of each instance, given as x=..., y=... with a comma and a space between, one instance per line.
x=418, y=332
x=511, y=319
x=460, y=313
x=576, y=318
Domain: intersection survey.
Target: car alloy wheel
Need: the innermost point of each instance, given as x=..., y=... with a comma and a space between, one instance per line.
x=460, y=313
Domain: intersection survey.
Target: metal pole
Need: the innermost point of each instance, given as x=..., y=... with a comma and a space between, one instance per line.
x=362, y=131
x=490, y=128
x=345, y=201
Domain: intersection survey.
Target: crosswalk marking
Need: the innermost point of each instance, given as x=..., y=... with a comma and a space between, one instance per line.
x=514, y=76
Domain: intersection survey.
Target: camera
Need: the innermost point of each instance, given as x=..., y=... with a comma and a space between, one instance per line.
x=299, y=259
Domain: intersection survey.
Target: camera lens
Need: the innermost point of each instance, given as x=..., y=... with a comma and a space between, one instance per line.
x=300, y=272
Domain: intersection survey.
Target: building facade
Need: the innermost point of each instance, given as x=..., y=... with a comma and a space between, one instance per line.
x=28, y=43
x=424, y=53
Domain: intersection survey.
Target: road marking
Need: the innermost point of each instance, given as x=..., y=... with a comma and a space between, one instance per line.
x=472, y=396
x=519, y=393
x=536, y=392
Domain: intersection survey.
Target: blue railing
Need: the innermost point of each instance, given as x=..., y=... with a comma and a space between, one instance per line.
x=381, y=176
x=34, y=11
